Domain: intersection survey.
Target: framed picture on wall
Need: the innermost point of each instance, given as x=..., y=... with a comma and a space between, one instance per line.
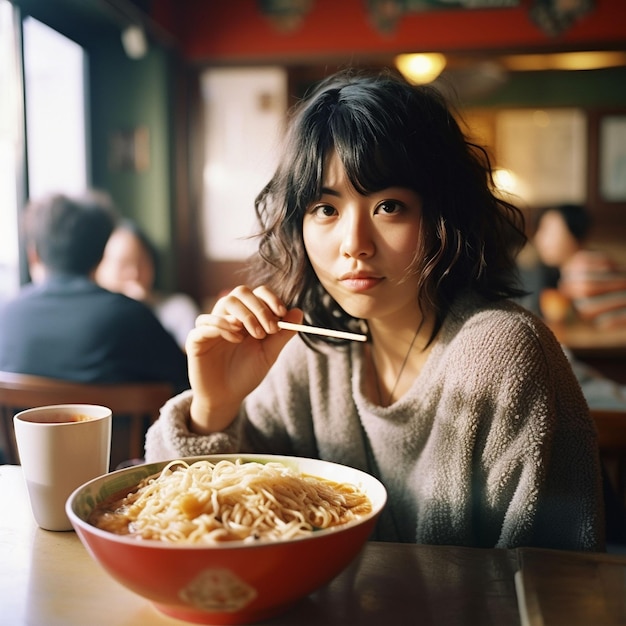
x=545, y=150
x=129, y=149
x=612, y=158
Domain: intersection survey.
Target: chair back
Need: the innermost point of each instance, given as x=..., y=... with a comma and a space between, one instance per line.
x=134, y=406
x=611, y=427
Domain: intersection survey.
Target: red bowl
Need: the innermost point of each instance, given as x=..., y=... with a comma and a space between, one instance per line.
x=233, y=582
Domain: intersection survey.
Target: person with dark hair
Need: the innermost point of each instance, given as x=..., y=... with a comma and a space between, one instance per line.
x=559, y=232
x=63, y=325
x=382, y=218
x=130, y=266
x=584, y=281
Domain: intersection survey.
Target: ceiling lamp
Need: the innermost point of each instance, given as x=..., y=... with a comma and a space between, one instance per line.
x=135, y=42
x=421, y=68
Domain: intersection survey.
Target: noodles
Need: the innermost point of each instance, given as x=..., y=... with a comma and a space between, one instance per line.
x=211, y=503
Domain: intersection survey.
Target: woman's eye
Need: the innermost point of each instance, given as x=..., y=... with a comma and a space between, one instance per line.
x=388, y=207
x=323, y=210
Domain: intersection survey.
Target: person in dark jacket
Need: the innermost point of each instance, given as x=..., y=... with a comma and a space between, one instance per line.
x=63, y=325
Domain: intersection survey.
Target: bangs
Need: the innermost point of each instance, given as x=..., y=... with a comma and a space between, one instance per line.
x=370, y=148
x=373, y=167
x=373, y=148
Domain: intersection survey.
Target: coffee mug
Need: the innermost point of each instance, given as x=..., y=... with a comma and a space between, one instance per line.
x=60, y=448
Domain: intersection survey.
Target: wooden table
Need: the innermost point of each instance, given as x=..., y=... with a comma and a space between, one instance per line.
x=48, y=579
x=587, y=340
x=603, y=349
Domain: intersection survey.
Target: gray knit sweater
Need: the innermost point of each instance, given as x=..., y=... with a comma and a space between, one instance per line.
x=492, y=446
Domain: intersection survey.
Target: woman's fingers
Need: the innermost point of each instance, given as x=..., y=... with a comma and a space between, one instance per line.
x=240, y=314
x=209, y=326
x=243, y=314
x=273, y=302
x=231, y=349
x=257, y=310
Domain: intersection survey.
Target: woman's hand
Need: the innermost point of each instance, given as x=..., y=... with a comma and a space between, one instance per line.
x=231, y=350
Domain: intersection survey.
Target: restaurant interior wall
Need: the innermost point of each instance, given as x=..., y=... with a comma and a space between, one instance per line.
x=129, y=99
x=237, y=32
x=166, y=199
x=331, y=35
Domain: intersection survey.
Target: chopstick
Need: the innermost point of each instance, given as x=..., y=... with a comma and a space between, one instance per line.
x=326, y=332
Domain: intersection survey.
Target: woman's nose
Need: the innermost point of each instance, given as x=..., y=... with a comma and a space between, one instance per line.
x=357, y=240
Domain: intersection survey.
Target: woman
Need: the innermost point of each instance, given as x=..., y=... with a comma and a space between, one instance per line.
x=381, y=216
x=129, y=266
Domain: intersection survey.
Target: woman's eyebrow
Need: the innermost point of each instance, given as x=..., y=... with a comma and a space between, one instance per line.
x=329, y=191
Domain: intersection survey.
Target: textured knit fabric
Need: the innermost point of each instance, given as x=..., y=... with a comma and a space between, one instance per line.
x=492, y=445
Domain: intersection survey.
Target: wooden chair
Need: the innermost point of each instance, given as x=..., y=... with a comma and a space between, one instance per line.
x=134, y=405
x=611, y=425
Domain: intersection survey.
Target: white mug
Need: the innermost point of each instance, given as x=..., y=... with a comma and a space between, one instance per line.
x=60, y=448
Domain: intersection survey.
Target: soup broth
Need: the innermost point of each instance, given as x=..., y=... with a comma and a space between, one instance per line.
x=206, y=503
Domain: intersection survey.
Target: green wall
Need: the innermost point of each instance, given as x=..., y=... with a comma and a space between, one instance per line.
x=588, y=89
x=127, y=94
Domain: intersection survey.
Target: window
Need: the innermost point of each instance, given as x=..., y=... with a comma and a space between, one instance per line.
x=546, y=149
x=245, y=109
x=55, y=113
x=10, y=149
x=54, y=68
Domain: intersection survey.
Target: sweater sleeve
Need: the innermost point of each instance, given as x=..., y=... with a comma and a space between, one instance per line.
x=512, y=457
x=261, y=424
x=539, y=455
x=170, y=438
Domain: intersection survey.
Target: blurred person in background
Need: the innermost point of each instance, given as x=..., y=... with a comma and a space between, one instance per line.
x=571, y=281
x=578, y=281
x=130, y=265
x=63, y=325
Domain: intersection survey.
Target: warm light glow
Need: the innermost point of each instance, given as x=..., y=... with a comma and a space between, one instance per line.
x=421, y=68
x=564, y=61
x=508, y=184
x=505, y=180
x=134, y=42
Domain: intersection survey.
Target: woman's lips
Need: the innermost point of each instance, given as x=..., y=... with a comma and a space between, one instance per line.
x=360, y=283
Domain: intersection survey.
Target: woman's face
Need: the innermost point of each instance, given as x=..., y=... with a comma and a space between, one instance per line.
x=553, y=240
x=361, y=247
x=126, y=266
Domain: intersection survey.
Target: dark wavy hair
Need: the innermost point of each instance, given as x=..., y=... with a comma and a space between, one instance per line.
x=389, y=133
x=577, y=218
x=69, y=233
x=146, y=243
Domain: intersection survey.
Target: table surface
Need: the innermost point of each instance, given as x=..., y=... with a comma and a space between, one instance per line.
x=586, y=340
x=48, y=579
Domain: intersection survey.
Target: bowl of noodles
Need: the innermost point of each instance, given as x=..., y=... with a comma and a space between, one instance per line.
x=226, y=539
